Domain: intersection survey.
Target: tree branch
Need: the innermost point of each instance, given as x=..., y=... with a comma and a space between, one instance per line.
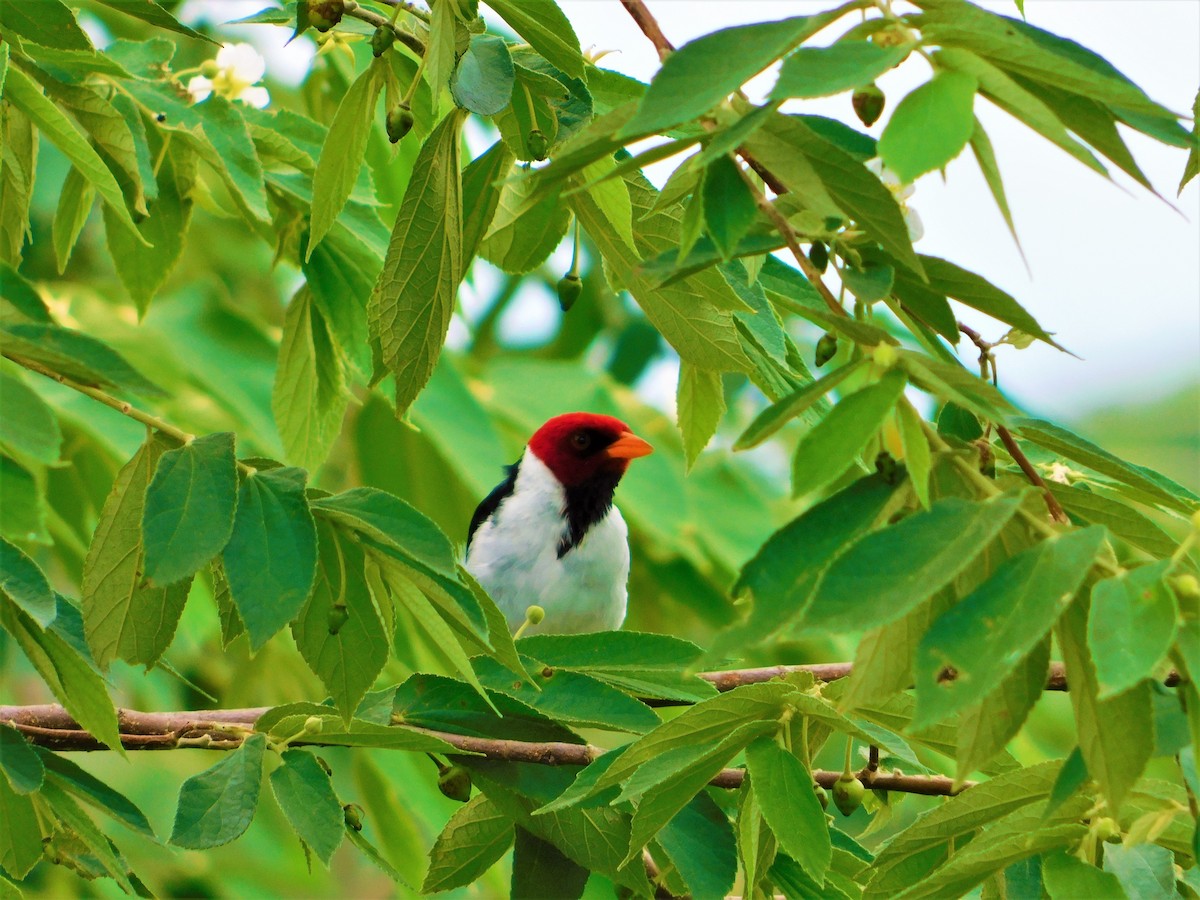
x=645, y=20
x=411, y=41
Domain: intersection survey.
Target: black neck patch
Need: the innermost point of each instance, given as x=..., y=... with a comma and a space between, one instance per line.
x=492, y=501
x=587, y=504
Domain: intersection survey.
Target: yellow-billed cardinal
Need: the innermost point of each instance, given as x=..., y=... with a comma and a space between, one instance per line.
x=549, y=535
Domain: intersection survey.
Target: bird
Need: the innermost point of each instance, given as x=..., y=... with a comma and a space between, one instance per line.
x=549, y=536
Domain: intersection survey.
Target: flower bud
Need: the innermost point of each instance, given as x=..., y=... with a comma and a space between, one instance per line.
x=399, y=122
x=313, y=725
x=1106, y=829
x=885, y=355
x=848, y=793
x=324, y=14
x=1186, y=586
x=868, y=103
x=455, y=783
x=381, y=40
x=570, y=286
x=826, y=348
x=537, y=144
x=209, y=68
x=535, y=614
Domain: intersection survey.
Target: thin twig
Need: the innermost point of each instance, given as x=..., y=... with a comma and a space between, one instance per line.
x=411, y=41
x=645, y=20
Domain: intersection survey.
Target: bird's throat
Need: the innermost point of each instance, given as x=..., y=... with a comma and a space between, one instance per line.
x=586, y=504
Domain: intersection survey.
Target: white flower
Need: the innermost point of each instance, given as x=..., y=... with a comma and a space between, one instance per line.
x=1059, y=473
x=233, y=74
x=901, y=191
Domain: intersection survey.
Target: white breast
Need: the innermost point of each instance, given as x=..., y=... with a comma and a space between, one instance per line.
x=514, y=555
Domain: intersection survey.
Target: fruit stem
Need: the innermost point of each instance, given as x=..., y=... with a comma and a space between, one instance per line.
x=847, y=769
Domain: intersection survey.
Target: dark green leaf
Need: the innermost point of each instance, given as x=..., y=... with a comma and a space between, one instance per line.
x=1000, y=621
x=784, y=790
x=540, y=870
x=521, y=235
x=74, y=205
x=1193, y=161
x=476, y=836
x=927, y=305
x=21, y=836
x=21, y=764
x=778, y=414
x=217, y=806
x=1066, y=876
x=979, y=293
x=443, y=704
x=821, y=71
x=729, y=208
x=21, y=293
x=25, y=584
x=544, y=25
x=305, y=794
x=75, y=355
x=481, y=194
x=271, y=556
x=699, y=842
x=890, y=571
x=830, y=447
x=100, y=852
x=981, y=146
x=104, y=798
x=410, y=308
x=23, y=514
x=189, y=508
x=49, y=23
x=1131, y=626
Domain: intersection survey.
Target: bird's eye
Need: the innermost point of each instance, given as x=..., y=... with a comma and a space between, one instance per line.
x=581, y=440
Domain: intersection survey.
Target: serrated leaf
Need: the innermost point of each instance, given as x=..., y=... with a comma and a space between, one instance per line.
x=700, y=404
x=476, y=836
x=700, y=843
x=217, y=806
x=21, y=836
x=342, y=153
x=729, y=207
x=74, y=204
x=830, y=447
x=51, y=24
x=544, y=25
x=271, y=556
x=542, y=870
x=821, y=71
x=778, y=414
x=784, y=791
x=410, y=307
x=444, y=704
x=975, y=291
x=124, y=616
x=76, y=355
x=1000, y=621
x=1131, y=626
x=1065, y=876
x=80, y=826
x=86, y=786
x=154, y=14
x=20, y=763
x=890, y=571
x=26, y=585
x=304, y=792
x=1143, y=870
x=524, y=230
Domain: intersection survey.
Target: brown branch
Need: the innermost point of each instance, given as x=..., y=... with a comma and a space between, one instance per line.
x=1057, y=513
x=645, y=20
x=411, y=41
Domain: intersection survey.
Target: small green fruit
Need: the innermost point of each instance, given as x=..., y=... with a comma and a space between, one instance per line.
x=848, y=793
x=382, y=39
x=826, y=348
x=569, y=288
x=353, y=816
x=455, y=783
x=324, y=14
x=1106, y=829
x=209, y=68
x=537, y=144
x=313, y=725
x=818, y=255
x=885, y=355
x=399, y=122
x=1186, y=586
x=338, y=616
x=868, y=103
x=822, y=796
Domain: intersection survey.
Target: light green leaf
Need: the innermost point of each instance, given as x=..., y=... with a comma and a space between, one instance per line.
x=342, y=153
x=521, y=235
x=1131, y=626
x=1119, y=518
x=930, y=126
x=73, y=820
x=1104, y=726
x=154, y=14
x=51, y=24
x=74, y=204
x=917, y=458
x=482, y=183
x=83, y=784
x=476, y=836
x=1193, y=161
x=821, y=71
x=24, y=94
x=977, y=292
x=699, y=842
x=830, y=447
x=544, y=25
x=217, y=806
x=271, y=556
x=440, y=48
x=1001, y=620
x=483, y=79
x=1144, y=870
x=985, y=156
x=23, y=513
x=729, y=208
x=189, y=509
x=21, y=836
x=305, y=794
x=123, y=616
x=410, y=308
x=784, y=791
x=20, y=763
x=309, y=398
x=778, y=414
x=890, y=571
x=26, y=585
x=347, y=658
x=1066, y=877
x=702, y=73
x=76, y=355
x=699, y=404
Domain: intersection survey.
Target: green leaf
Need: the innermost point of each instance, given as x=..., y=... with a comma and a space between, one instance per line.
x=217, y=806
x=778, y=414
x=481, y=187
x=482, y=82
x=304, y=792
x=729, y=208
x=444, y=704
x=821, y=71
x=76, y=355
x=830, y=447
x=985, y=156
x=51, y=24
x=699, y=404
x=890, y=571
x=699, y=842
x=342, y=153
x=1104, y=726
x=703, y=72
x=189, y=509
x=271, y=556
x=1144, y=870
x=410, y=308
x=1060, y=441
x=21, y=765
x=928, y=306
x=917, y=458
x=541, y=870
x=522, y=236
x=1001, y=620
x=74, y=821
x=340, y=275
x=24, y=94
x=441, y=48
x=784, y=790
x=74, y=204
x=154, y=14
x=309, y=398
x=21, y=293
x=953, y=383
x=977, y=292
x=1066, y=876
x=125, y=617
x=83, y=784
x=544, y=25
x=21, y=836
x=23, y=514
x=930, y=127
x=350, y=658
x=25, y=584
x=1192, y=166
x=1131, y=626
x=476, y=836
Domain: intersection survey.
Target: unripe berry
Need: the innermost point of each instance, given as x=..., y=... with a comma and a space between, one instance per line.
x=868, y=103
x=826, y=348
x=569, y=288
x=885, y=355
x=818, y=255
x=353, y=816
x=382, y=40
x=455, y=783
x=1106, y=829
x=848, y=793
x=537, y=144
x=1186, y=586
x=535, y=614
x=338, y=615
x=822, y=796
x=313, y=725
x=324, y=14
x=399, y=122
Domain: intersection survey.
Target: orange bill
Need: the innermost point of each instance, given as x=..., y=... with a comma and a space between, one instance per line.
x=628, y=446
